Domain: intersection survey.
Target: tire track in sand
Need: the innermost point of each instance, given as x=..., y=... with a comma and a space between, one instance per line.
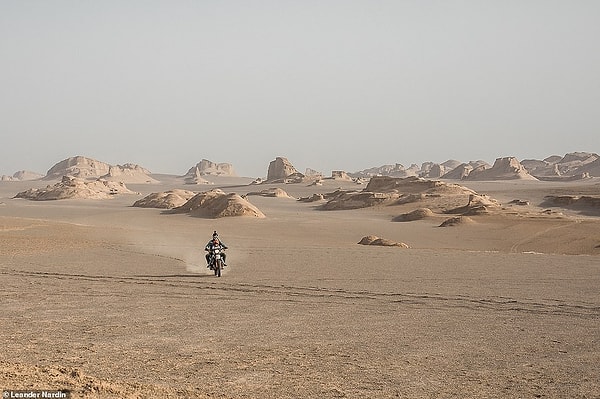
x=193, y=283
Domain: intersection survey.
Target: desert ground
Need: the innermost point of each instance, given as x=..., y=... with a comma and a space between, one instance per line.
x=110, y=301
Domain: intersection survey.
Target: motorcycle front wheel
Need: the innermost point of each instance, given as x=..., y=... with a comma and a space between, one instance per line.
x=218, y=267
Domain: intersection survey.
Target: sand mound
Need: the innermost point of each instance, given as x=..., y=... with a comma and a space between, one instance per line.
x=216, y=204
x=455, y=221
x=271, y=192
x=374, y=240
x=417, y=214
x=71, y=187
x=165, y=200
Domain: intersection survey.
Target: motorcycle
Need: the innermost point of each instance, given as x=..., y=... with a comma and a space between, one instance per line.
x=216, y=260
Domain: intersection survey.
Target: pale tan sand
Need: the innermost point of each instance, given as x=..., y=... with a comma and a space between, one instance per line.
x=112, y=301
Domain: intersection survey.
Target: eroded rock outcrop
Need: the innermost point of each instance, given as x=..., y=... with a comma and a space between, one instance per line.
x=216, y=204
x=417, y=214
x=508, y=168
x=271, y=192
x=209, y=168
x=374, y=240
x=384, y=190
x=280, y=168
x=22, y=175
x=356, y=200
x=461, y=171
x=129, y=173
x=195, y=177
x=75, y=188
x=340, y=175
x=165, y=200
x=584, y=204
x=78, y=166
x=91, y=169
x=478, y=204
x=456, y=221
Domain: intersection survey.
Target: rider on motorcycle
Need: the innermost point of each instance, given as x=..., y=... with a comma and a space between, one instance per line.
x=212, y=244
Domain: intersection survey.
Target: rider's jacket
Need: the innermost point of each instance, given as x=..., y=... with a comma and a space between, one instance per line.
x=210, y=246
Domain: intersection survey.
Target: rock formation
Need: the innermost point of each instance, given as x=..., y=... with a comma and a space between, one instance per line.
x=72, y=187
x=478, y=204
x=417, y=214
x=432, y=170
x=91, y=169
x=340, y=175
x=209, y=168
x=374, y=240
x=414, y=185
x=396, y=170
x=271, y=192
x=435, y=171
x=22, y=175
x=82, y=167
x=355, y=200
x=312, y=198
x=588, y=169
x=313, y=173
x=508, y=168
x=216, y=204
x=165, y=200
x=384, y=190
x=280, y=168
x=585, y=204
x=195, y=177
x=456, y=221
x=461, y=171
x=572, y=166
x=129, y=173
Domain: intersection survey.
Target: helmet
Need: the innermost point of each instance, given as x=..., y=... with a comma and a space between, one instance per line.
x=215, y=234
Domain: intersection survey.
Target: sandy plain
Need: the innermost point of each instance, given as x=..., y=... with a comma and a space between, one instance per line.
x=111, y=301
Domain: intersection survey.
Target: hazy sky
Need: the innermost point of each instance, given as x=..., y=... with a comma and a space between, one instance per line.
x=327, y=84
